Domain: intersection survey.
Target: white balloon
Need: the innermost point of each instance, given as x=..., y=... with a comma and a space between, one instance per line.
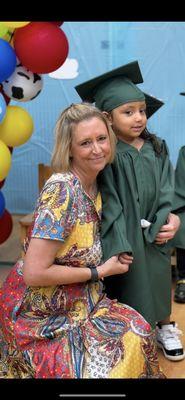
x=23, y=84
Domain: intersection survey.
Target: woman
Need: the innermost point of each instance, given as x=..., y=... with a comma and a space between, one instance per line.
x=56, y=321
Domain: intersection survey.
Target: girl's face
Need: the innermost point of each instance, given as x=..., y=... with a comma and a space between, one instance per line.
x=129, y=120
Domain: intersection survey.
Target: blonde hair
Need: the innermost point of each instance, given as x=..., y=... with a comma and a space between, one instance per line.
x=71, y=116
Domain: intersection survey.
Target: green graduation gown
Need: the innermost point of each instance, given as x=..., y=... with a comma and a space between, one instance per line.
x=179, y=198
x=138, y=185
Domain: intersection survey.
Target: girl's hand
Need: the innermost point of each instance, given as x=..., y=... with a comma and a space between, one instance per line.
x=168, y=230
x=125, y=258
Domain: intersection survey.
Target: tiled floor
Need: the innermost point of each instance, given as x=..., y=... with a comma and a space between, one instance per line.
x=10, y=251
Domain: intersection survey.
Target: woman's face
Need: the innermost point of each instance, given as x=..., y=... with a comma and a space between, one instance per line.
x=129, y=120
x=90, y=147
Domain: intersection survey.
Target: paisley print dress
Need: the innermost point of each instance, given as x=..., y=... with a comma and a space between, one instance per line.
x=74, y=330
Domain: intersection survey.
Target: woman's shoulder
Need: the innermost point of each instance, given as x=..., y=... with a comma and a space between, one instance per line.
x=60, y=183
x=61, y=179
x=58, y=191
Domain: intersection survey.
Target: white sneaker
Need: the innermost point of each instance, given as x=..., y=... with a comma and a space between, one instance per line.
x=167, y=337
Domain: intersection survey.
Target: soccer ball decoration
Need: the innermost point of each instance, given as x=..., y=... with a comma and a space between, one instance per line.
x=23, y=84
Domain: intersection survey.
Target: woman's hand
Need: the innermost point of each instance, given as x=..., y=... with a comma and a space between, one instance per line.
x=115, y=266
x=168, y=230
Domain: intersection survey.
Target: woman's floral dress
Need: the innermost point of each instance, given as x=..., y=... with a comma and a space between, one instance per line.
x=74, y=330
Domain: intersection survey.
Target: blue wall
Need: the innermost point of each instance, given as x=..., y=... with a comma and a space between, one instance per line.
x=98, y=47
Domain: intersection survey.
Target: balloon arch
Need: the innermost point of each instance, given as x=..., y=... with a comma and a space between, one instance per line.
x=27, y=51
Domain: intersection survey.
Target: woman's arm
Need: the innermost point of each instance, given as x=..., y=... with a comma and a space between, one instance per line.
x=39, y=269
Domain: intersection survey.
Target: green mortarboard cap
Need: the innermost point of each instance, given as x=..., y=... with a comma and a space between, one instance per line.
x=152, y=104
x=117, y=87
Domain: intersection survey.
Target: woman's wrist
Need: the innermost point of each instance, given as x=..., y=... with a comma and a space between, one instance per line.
x=94, y=274
x=101, y=271
x=98, y=272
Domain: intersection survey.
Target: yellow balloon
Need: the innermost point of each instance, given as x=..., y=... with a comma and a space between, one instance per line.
x=16, y=127
x=15, y=24
x=3, y=30
x=9, y=37
x=5, y=160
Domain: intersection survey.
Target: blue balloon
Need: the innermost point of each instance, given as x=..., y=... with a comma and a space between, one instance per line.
x=7, y=60
x=2, y=204
x=2, y=107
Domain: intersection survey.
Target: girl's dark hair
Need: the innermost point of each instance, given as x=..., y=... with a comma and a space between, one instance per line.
x=151, y=137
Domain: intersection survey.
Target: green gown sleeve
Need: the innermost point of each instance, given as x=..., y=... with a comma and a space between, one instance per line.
x=113, y=227
x=165, y=197
x=179, y=198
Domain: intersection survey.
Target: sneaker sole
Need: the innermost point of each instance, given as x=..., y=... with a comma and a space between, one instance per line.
x=171, y=358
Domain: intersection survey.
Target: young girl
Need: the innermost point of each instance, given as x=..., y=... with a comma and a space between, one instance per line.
x=137, y=191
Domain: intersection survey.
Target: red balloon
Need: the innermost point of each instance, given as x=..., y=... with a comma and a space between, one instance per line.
x=57, y=22
x=2, y=183
x=7, y=99
x=6, y=225
x=41, y=47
